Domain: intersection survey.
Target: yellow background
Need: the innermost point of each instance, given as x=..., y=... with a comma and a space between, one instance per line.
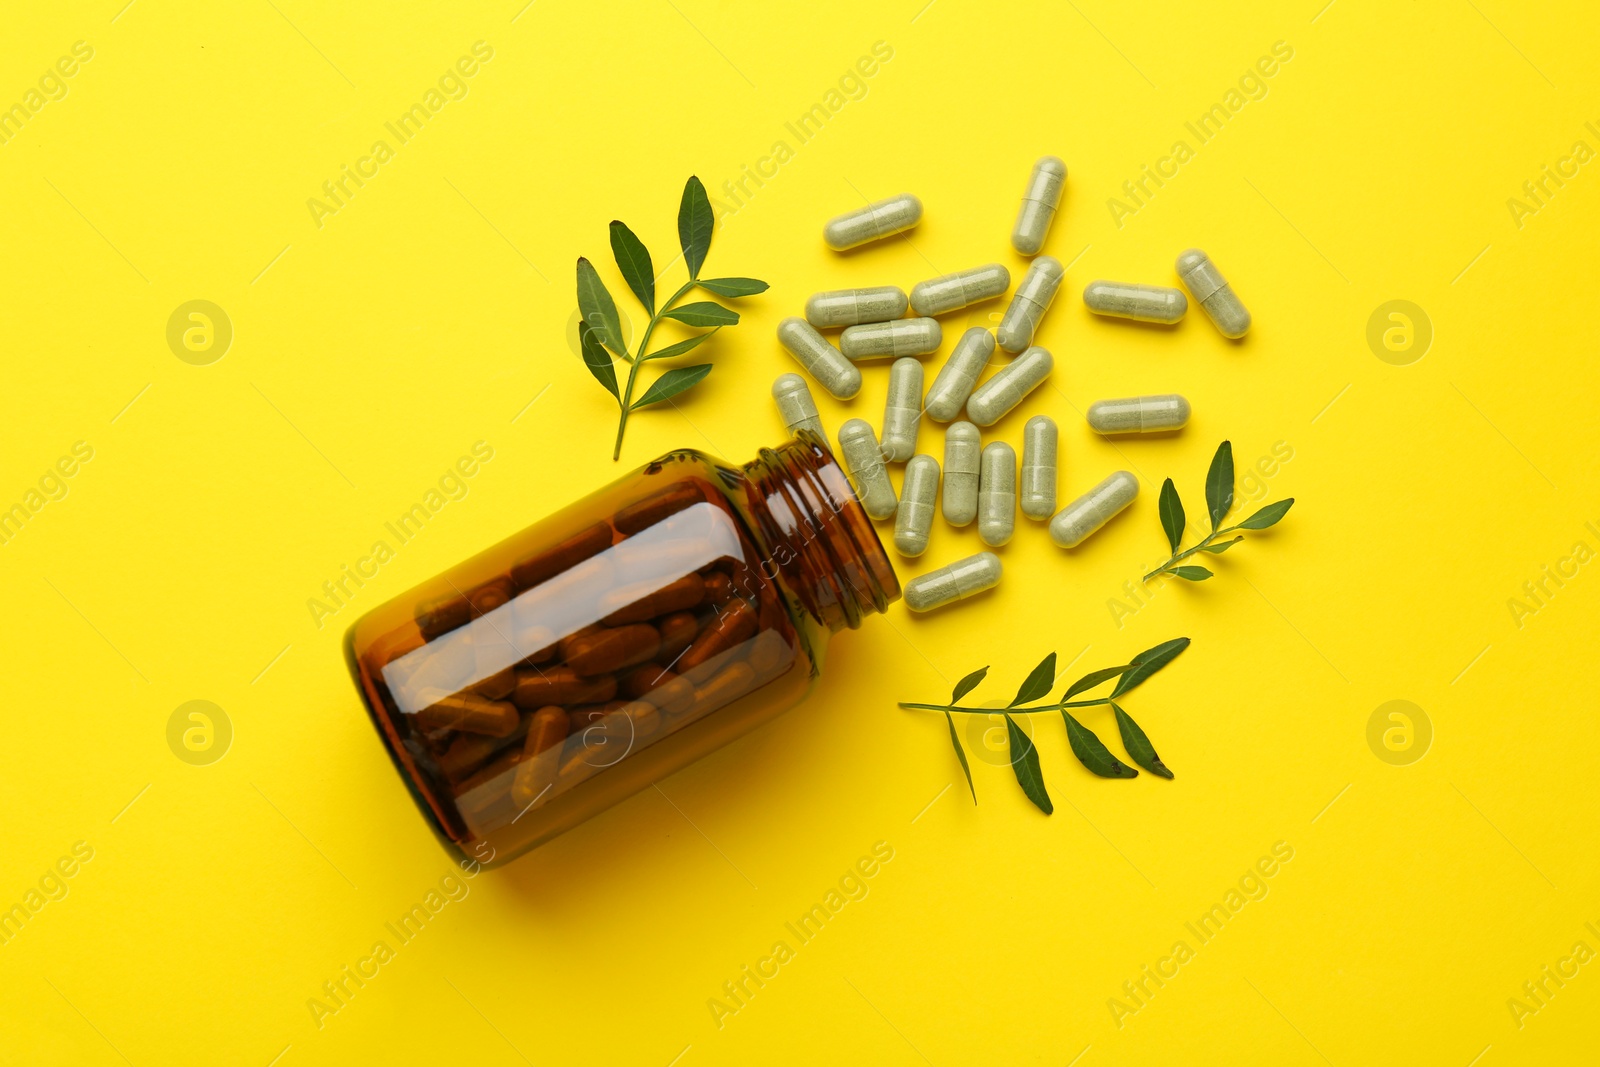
x=434, y=307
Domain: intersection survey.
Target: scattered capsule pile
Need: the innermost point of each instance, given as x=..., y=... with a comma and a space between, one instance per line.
x=981, y=480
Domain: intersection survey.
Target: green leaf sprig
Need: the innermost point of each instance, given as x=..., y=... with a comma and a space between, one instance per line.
x=600, y=330
x=1219, y=499
x=1086, y=745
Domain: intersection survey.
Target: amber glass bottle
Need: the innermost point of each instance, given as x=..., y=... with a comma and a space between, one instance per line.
x=598, y=651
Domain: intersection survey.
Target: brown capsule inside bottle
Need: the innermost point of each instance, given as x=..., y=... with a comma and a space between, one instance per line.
x=470, y=713
x=536, y=771
x=596, y=652
x=537, y=687
x=681, y=595
x=677, y=631
x=605, y=649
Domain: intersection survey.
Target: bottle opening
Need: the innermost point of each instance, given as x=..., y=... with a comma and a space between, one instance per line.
x=822, y=544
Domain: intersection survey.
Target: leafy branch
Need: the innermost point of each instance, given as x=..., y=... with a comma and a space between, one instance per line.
x=600, y=329
x=1219, y=499
x=1086, y=745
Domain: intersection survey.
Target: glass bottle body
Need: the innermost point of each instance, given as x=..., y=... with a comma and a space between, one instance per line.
x=592, y=654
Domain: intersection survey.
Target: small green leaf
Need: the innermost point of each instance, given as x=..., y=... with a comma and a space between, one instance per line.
x=1038, y=683
x=633, y=259
x=597, y=359
x=1219, y=483
x=1221, y=546
x=681, y=347
x=1025, y=762
x=1172, y=518
x=961, y=754
x=1148, y=662
x=1138, y=745
x=1094, y=678
x=598, y=309
x=1092, y=754
x=1190, y=574
x=671, y=384
x=695, y=223
x=702, y=313
x=1267, y=515
x=967, y=684
x=734, y=287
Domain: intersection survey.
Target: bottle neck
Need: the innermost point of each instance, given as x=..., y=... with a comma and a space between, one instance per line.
x=818, y=539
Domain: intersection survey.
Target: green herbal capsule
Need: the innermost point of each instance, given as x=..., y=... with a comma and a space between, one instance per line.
x=902, y=412
x=914, y=520
x=886, y=340
x=847, y=307
x=1032, y=300
x=794, y=401
x=1142, y=303
x=960, y=372
x=883, y=219
x=961, y=579
x=1207, y=285
x=859, y=447
x=1139, y=414
x=954, y=291
x=997, y=494
x=831, y=370
x=963, y=447
x=1037, y=489
x=1039, y=202
x=991, y=400
x=1093, y=509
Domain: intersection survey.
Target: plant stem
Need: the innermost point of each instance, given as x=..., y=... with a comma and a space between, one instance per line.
x=1181, y=556
x=627, y=399
x=634, y=363
x=656, y=318
x=1060, y=705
